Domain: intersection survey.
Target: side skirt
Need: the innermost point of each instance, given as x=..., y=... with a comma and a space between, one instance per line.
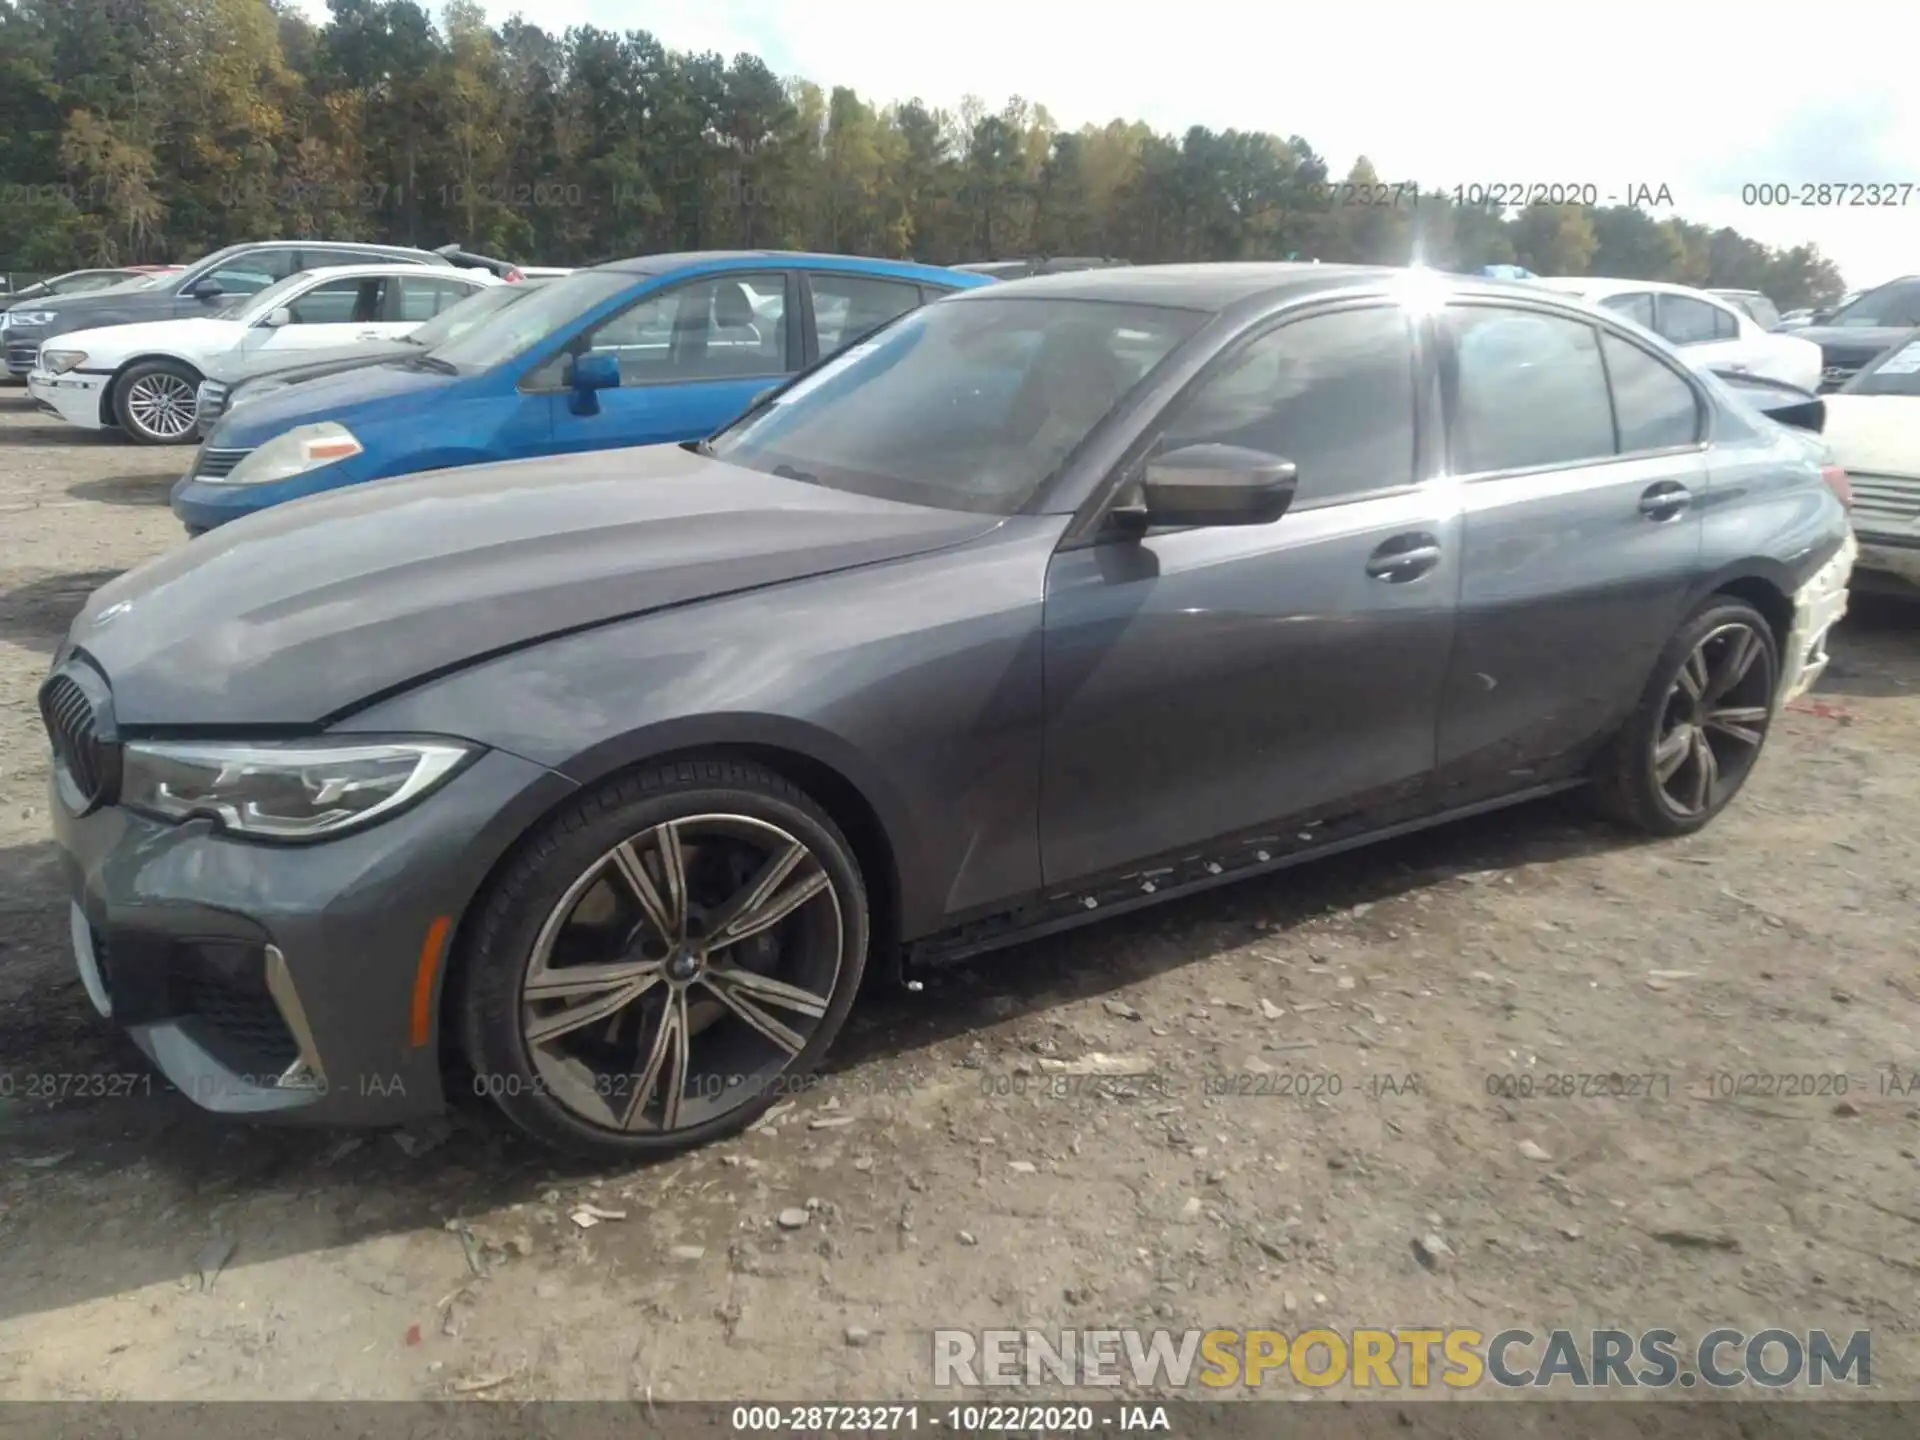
x=1101, y=897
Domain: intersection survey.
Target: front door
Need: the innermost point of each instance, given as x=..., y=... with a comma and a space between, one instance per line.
x=1205, y=681
x=1582, y=481
x=691, y=356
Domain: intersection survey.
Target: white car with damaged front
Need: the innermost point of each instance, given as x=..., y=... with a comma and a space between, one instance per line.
x=1873, y=431
x=142, y=378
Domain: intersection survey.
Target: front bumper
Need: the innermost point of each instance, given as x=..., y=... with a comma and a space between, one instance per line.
x=280, y=981
x=1817, y=608
x=73, y=397
x=202, y=504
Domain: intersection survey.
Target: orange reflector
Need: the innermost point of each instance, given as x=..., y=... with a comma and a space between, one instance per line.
x=332, y=449
x=431, y=954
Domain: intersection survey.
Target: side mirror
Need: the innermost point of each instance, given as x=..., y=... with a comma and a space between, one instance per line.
x=278, y=316
x=594, y=371
x=1215, y=485
x=206, y=288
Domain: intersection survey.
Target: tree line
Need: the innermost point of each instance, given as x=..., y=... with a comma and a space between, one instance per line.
x=152, y=130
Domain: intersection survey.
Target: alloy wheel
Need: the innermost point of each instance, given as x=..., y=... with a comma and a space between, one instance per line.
x=682, y=974
x=162, y=405
x=1714, y=720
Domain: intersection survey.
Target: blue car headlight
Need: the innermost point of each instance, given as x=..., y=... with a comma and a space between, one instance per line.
x=303, y=448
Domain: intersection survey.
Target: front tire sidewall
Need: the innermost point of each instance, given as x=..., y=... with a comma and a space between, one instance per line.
x=488, y=993
x=1637, y=797
x=122, y=412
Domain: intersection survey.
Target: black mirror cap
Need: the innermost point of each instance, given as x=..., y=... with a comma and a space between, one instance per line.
x=206, y=288
x=1217, y=485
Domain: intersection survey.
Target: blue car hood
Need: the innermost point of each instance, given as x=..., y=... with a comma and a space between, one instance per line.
x=364, y=393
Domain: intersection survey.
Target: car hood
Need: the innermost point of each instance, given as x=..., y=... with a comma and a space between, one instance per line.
x=1875, y=434
x=342, y=395
x=298, y=614
x=308, y=364
x=199, y=334
x=1845, y=340
x=119, y=305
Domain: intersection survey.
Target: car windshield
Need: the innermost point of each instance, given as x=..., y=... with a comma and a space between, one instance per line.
x=509, y=333
x=463, y=315
x=262, y=302
x=1890, y=305
x=966, y=405
x=1897, y=372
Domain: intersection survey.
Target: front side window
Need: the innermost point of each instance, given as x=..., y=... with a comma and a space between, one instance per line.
x=510, y=333
x=848, y=308
x=1332, y=393
x=1891, y=305
x=350, y=301
x=1636, y=305
x=1527, y=390
x=972, y=405
x=719, y=328
x=1653, y=406
x=1684, y=320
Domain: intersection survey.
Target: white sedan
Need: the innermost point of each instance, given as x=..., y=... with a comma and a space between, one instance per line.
x=142, y=378
x=1710, y=333
x=1873, y=432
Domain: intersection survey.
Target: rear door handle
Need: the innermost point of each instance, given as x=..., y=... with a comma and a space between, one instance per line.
x=368, y=335
x=1404, y=558
x=1665, y=500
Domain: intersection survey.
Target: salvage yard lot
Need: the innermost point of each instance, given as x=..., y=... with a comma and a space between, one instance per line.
x=1325, y=1069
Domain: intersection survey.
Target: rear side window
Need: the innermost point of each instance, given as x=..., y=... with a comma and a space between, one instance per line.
x=1332, y=393
x=847, y=308
x=1526, y=390
x=422, y=297
x=1653, y=407
x=1687, y=321
x=1637, y=307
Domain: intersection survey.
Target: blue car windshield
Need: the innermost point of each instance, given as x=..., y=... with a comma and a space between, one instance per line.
x=509, y=333
x=965, y=405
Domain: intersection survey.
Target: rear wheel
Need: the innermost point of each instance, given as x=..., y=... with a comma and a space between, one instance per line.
x=663, y=960
x=155, y=403
x=1700, y=726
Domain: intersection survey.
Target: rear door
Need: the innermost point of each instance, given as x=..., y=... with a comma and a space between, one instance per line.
x=692, y=356
x=1209, y=681
x=843, y=308
x=1581, y=470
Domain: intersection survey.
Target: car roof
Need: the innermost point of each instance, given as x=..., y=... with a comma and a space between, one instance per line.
x=1593, y=286
x=394, y=267
x=1217, y=286
x=747, y=259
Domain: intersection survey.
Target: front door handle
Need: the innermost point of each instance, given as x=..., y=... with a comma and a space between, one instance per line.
x=1404, y=558
x=1665, y=500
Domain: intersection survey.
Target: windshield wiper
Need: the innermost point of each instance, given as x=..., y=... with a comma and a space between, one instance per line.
x=434, y=362
x=787, y=472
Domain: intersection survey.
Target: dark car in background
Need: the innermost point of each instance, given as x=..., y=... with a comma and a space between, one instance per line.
x=1864, y=329
x=610, y=774
x=1038, y=265
x=203, y=288
x=249, y=376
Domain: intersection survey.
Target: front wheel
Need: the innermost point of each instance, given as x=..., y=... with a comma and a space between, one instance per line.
x=156, y=402
x=663, y=960
x=1700, y=726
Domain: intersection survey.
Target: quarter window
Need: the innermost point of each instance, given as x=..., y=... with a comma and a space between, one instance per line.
x=1653, y=406
x=731, y=326
x=847, y=308
x=1527, y=390
x=1332, y=393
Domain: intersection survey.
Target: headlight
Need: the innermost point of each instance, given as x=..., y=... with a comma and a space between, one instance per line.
x=303, y=448
x=297, y=790
x=58, y=362
x=31, y=317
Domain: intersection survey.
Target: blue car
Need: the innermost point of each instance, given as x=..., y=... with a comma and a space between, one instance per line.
x=637, y=352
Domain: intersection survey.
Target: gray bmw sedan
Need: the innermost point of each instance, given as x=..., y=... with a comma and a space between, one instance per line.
x=608, y=776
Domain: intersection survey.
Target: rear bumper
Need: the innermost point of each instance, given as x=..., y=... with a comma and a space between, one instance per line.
x=1817, y=608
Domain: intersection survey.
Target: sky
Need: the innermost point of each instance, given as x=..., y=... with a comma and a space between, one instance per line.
x=1702, y=97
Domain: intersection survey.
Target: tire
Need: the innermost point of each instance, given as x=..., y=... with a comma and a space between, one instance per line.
x=1667, y=729
x=147, y=402
x=570, y=893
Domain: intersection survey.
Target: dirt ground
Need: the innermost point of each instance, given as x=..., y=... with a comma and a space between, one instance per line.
x=952, y=1178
